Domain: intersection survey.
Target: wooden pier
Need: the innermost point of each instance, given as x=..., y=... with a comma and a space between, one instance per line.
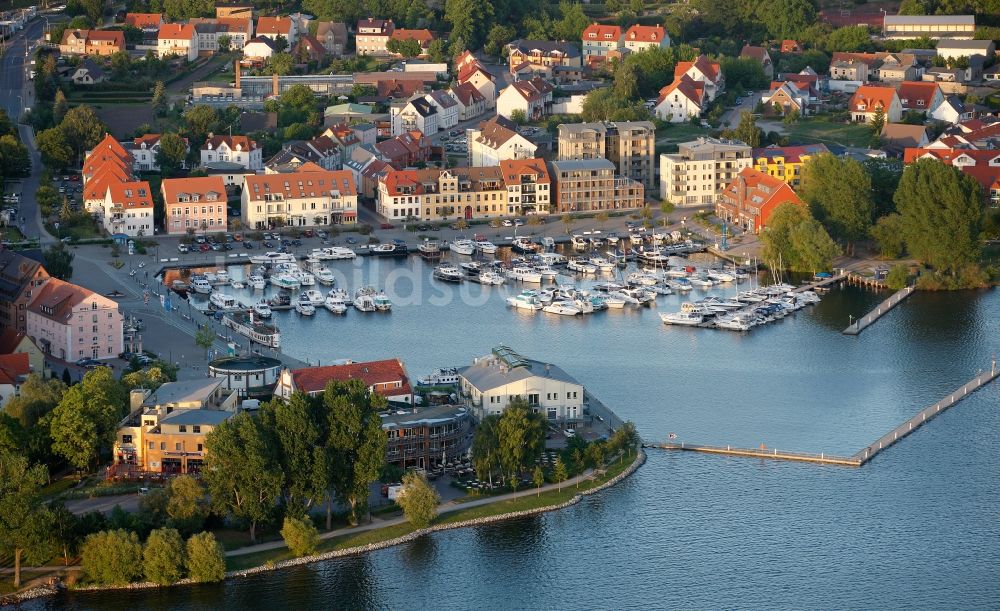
x=868, y=319
x=770, y=453
x=818, y=284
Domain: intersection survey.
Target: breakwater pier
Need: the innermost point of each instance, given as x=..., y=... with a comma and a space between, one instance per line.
x=883, y=308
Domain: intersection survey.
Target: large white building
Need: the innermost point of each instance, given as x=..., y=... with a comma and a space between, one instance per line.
x=240, y=150
x=701, y=169
x=497, y=140
x=309, y=197
x=417, y=114
x=493, y=381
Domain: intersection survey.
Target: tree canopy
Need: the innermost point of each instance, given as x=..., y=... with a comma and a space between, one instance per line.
x=86, y=418
x=794, y=240
x=839, y=193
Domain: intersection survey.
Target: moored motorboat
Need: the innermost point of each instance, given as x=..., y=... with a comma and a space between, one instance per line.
x=565, y=308
x=312, y=296
x=526, y=300
x=448, y=273
x=462, y=247
x=524, y=274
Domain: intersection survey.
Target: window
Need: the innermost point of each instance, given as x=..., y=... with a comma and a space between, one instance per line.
x=126, y=439
x=163, y=445
x=177, y=447
x=152, y=445
x=200, y=448
x=182, y=428
x=196, y=428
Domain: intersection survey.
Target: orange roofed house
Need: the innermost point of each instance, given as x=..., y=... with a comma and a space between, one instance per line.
x=642, y=37
x=387, y=378
x=751, y=198
x=71, y=322
x=20, y=280
x=869, y=98
x=982, y=165
x=601, y=42
x=177, y=39
x=308, y=197
x=194, y=204
x=91, y=42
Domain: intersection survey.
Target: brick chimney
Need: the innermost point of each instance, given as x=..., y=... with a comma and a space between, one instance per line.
x=236, y=71
x=274, y=84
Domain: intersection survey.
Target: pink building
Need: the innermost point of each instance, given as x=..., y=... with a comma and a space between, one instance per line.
x=71, y=322
x=197, y=204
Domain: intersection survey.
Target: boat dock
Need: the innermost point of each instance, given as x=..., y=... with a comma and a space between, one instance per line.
x=868, y=319
x=863, y=455
x=823, y=282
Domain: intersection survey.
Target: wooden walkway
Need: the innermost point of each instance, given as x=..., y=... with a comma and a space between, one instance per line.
x=812, y=286
x=868, y=319
x=771, y=453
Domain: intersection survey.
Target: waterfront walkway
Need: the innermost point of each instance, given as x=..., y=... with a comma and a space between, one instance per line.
x=883, y=308
x=863, y=455
x=818, y=284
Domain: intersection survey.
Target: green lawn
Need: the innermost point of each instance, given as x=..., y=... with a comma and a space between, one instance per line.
x=11, y=234
x=820, y=130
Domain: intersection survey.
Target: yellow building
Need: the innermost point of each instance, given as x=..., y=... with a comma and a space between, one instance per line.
x=785, y=162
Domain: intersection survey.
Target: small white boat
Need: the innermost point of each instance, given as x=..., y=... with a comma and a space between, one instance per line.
x=524, y=274
x=448, y=273
x=236, y=284
x=689, y=318
x=719, y=276
x=382, y=303
x=305, y=309
x=490, y=277
x=701, y=283
x=641, y=279
x=223, y=302
x=552, y=259
x=332, y=253
x=578, y=242
x=602, y=264
x=527, y=300
x=734, y=323
x=284, y=280
x=221, y=276
x=486, y=247
x=581, y=267
x=272, y=257
x=312, y=296
x=462, y=247
x=547, y=272
x=613, y=300
x=261, y=309
x=307, y=279
x=257, y=282
x=201, y=285
x=336, y=301
x=364, y=299
x=624, y=296
x=565, y=308
x=429, y=250
x=324, y=276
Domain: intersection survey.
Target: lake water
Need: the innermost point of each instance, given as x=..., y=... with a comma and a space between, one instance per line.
x=917, y=527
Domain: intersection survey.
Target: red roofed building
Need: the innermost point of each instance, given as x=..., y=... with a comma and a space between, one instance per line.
x=704, y=71
x=529, y=187
x=14, y=369
x=681, y=100
x=20, y=280
x=398, y=89
x=601, y=41
x=482, y=79
x=71, y=322
x=194, y=204
x=240, y=150
x=791, y=46
x=372, y=35
x=387, y=378
x=533, y=97
x=868, y=98
x=13, y=341
x=273, y=27
x=424, y=37
x=92, y=42
x=643, y=37
x=177, y=39
x=982, y=165
x=920, y=96
x=761, y=55
x=471, y=103
x=405, y=150
x=751, y=198
x=127, y=209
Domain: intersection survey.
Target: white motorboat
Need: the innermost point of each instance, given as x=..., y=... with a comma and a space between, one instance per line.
x=690, y=318
x=636, y=239
x=236, y=284
x=614, y=301
x=490, y=277
x=641, y=279
x=581, y=267
x=272, y=257
x=261, y=309
x=598, y=303
x=448, y=273
x=552, y=259
x=336, y=301
x=201, y=285
x=307, y=279
x=548, y=243
x=486, y=247
x=440, y=377
x=578, y=242
x=470, y=268
x=324, y=276
x=429, y=249
x=524, y=274
x=222, y=276
x=462, y=247
x=733, y=323
x=585, y=305
x=628, y=299
x=382, y=303
x=565, y=308
x=661, y=289
x=304, y=308
x=284, y=280
x=719, y=275
x=257, y=282
x=809, y=296
x=527, y=300
x=607, y=287
x=364, y=299
x=223, y=302
x=248, y=326
x=545, y=296
x=332, y=253
x=602, y=264
x=641, y=296
x=312, y=296
x=210, y=276
x=681, y=285
x=700, y=282
x=653, y=258
x=547, y=272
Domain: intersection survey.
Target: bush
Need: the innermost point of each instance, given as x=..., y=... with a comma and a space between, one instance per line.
x=112, y=557
x=206, y=559
x=163, y=557
x=898, y=277
x=300, y=536
x=418, y=499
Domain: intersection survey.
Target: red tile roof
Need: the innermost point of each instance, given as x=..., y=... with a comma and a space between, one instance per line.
x=57, y=298
x=871, y=97
x=645, y=33
x=308, y=181
x=274, y=25
x=151, y=21
x=467, y=94
x=233, y=142
x=131, y=194
x=912, y=93
x=382, y=376
x=599, y=32
x=711, y=70
x=115, y=36
x=176, y=31
x=173, y=188
x=758, y=53
x=514, y=169
x=982, y=165
x=686, y=86
x=791, y=46
x=468, y=70
x=9, y=340
x=424, y=37
x=532, y=90
x=14, y=367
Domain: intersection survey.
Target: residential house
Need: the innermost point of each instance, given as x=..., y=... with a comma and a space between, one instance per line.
x=982, y=165
x=232, y=11
x=273, y=27
x=701, y=169
x=405, y=150
x=785, y=162
x=309, y=49
x=704, y=71
x=398, y=89
x=492, y=382
x=20, y=279
x=953, y=110
x=144, y=150
x=13, y=341
x=441, y=194
x=897, y=137
x=14, y=370
x=371, y=36
x=950, y=48
x=166, y=429
x=88, y=73
x=750, y=199
x=850, y=68
x=387, y=378
x=321, y=150
x=627, y=144
x=149, y=23
x=177, y=39
x=680, y=100
x=333, y=35
x=869, y=98
x=71, y=322
x=789, y=46
x=529, y=186
x=258, y=49
x=905, y=27
x=370, y=175
x=344, y=137
x=896, y=67
x=601, y=42
x=791, y=97
x=92, y=42
x=533, y=98
x=238, y=29
x=240, y=150
x=542, y=54
x=194, y=205
x=497, y=140
x=427, y=437
x=761, y=55
x=416, y=114
x=470, y=101
x=643, y=37
x=482, y=79
x=919, y=96
x=310, y=197
x=423, y=37
x=446, y=106
x=127, y=209
x=584, y=185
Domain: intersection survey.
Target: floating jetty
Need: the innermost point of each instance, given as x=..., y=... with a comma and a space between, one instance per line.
x=868, y=319
x=762, y=452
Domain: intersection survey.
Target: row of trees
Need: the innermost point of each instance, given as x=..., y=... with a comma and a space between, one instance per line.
x=116, y=557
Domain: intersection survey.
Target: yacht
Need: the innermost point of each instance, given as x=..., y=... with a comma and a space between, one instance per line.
x=641, y=296
x=470, y=268
x=389, y=249
x=332, y=253
x=236, y=284
x=602, y=264
x=245, y=324
x=305, y=308
x=223, y=302
x=584, y=305
x=597, y=303
x=581, y=266
x=700, y=282
x=578, y=242
x=282, y=301
x=382, y=303
x=547, y=272
x=527, y=300
x=284, y=280
x=261, y=309
x=607, y=287
x=565, y=308
x=733, y=323
x=307, y=279
x=681, y=285
x=441, y=377
x=552, y=259
x=272, y=257
x=624, y=296
x=364, y=299
x=222, y=276
x=312, y=296
x=325, y=276
x=524, y=274
x=448, y=273
x=641, y=279
x=201, y=285
x=486, y=247
x=524, y=246
x=336, y=301
x=691, y=318
x=613, y=300
x=490, y=277
x=653, y=258
x=548, y=243
x=719, y=275
x=462, y=247
x=429, y=250
x=210, y=276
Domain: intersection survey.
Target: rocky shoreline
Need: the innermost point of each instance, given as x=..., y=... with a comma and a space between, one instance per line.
x=640, y=459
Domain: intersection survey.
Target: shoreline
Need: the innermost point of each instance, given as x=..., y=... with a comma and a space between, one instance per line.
x=638, y=461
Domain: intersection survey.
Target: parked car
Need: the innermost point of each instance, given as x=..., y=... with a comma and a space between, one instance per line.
x=84, y=361
x=268, y=244
x=182, y=248
x=321, y=234
x=518, y=222
x=352, y=240
x=296, y=243
x=508, y=223
x=387, y=226
x=248, y=245
x=308, y=233
x=216, y=246
x=204, y=248
x=227, y=246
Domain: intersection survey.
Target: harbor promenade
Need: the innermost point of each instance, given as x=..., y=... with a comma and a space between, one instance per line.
x=883, y=308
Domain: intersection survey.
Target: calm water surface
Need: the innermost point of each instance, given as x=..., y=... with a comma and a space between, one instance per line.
x=919, y=527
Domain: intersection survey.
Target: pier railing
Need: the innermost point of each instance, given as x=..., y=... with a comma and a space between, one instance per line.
x=865, y=321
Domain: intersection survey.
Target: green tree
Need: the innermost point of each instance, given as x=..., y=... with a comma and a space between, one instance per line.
x=300, y=536
x=407, y=47
x=356, y=441
x=187, y=506
x=303, y=458
x=521, y=439
x=778, y=251
x=206, y=561
x=204, y=338
x=747, y=130
x=170, y=157
x=486, y=448
x=24, y=521
x=418, y=499
x=885, y=175
x=573, y=21
x=82, y=128
x=201, y=120
x=941, y=214
x=898, y=277
x=224, y=41
x=518, y=116
x=498, y=38
x=559, y=472
x=786, y=18
x=666, y=208
x=436, y=51
x=159, y=102
x=626, y=82
x=851, y=39
x=163, y=556
x=538, y=477
x=65, y=529
x=59, y=107
x=814, y=249
x=149, y=378
x=567, y=220
x=36, y=398
x=56, y=152
x=112, y=557
x=470, y=22
x=743, y=73
x=59, y=261
x=888, y=236
x=280, y=44
x=839, y=193
x=281, y=63
x=87, y=417
x=242, y=472
x=14, y=159
x=876, y=124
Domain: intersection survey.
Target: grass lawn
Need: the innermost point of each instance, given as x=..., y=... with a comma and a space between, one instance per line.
x=11, y=234
x=819, y=130
x=81, y=231
x=680, y=132
x=58, y=487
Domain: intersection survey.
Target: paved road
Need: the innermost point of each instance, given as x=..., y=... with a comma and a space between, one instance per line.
x=731, y=118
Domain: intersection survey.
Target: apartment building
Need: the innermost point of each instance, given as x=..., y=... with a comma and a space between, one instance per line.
x=91, y=42
x=434, y=194
x=417, y=114
x=630, y=145
x=529, y=187
x=497, y=140
x=20, y=279
x=643, y=37
x=542, y=55
x=591, y=184
x=532, y=97
x=701, y=169
x=240, y=150
x=194, y=204
x=127, y=209
x=785, y=162
x=751, y=198
x=372, y=35
x=310, y=197
x=177, y=39
x=70, y=322
x=601, y=42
